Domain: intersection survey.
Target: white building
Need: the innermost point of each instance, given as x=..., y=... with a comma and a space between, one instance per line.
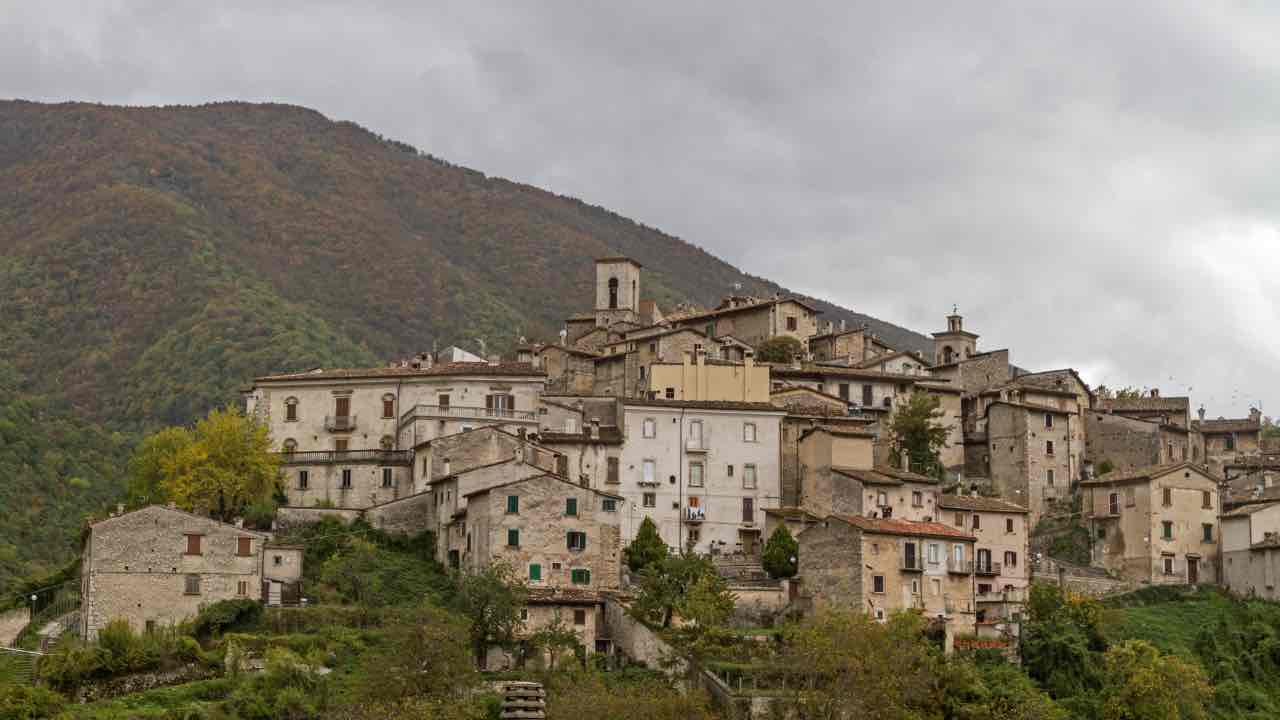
x=705, y=471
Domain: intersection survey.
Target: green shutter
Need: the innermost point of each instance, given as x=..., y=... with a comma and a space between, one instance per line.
x=513, y=538
x=513, y=504
x=535, y=572
x=580, y=577
x=571, y=506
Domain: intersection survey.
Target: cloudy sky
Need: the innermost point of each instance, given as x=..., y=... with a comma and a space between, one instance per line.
x=1095, y=185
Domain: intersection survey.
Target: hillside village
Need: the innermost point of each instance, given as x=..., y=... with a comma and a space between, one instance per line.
x=939, y=484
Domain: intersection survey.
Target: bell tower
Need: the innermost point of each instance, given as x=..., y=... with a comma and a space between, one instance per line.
x=955, y=343
x=617, y=290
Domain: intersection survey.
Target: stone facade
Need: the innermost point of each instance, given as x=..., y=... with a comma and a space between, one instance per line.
x=354, y=479
x=1002, y=552
x=753, y=321
x=1154, y=408
x=479, y=447
x=158, y=566
x=569, y=370
x=1030, y=454
x=839, y=476
x=1251, y=550
x=1228, y=440
x=1156, y=525
x=1127, y=443
x=883, y=566
x=704, y=471
x=854, y=347
x=617, y=291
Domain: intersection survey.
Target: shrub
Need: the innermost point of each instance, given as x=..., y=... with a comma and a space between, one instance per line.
x=29, y=702
x=291, y=704
x=226, y=615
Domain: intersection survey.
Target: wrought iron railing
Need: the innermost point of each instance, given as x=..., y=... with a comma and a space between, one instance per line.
x=317, y=457
x=458, y=411
x=339, y=423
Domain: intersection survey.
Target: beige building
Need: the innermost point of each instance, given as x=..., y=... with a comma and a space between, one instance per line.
x=1125, y=443
x=882, y=566
x=1002, y=562
x=899, y=363
x=1031, y=458
x=1155, y=524
x=623, y=370
x=753, y=321
x=704, y=471
x=1228, y=439
x=157, y=566
x=1153, y=407
x=569, y=369
x=851, y=347
x=1251, y=550
x=697, y=378
x=838, y=475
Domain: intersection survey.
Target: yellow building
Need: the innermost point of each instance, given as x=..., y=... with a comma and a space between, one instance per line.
x=697, y=378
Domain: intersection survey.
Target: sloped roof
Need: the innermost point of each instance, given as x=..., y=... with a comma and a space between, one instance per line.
x=563, y=596
x=540, y=476
x=981, y=504
x=1228, y=425
x=609, y=435
x=1248, y=510
x=183, y=514
x=706, y=405
x=894, y=526
x=872, y=362
x=764, y=304
x=454, y=368
x=1146, y=404
x=883, y=475
x=1149, y=472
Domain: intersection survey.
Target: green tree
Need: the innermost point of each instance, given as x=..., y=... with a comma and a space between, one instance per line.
x=491, y=599
x=1142, y=684
x=647, y=548
x=779, y=349
x=573, y=696
x=555, y=640
x=915, y=428
x=686, y=585
x=427, y=656
x=1061, y=640
x=994, y=691
x=220, y=469
x=781, y=554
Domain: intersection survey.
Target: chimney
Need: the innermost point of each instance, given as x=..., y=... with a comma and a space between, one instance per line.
x=1155, y=392
x=595, y=428
x=444, y=466
x=843, y=325
x=1200, y=412
x=240, y=522
x=906, y=460
x=1255, y=415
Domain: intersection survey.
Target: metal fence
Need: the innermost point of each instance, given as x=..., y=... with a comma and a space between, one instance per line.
x=55, y=613
x=18, y=667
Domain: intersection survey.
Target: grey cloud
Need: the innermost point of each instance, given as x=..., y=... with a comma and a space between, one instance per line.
x=1093, y=183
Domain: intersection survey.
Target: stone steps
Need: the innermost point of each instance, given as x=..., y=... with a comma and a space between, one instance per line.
x=524, y=701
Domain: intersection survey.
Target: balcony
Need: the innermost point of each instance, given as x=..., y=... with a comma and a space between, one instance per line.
x=462, y=412
x=912, y=564
x=339, y=423
x=695, y=445
x=959, y=567
x=987, y=568
x=695, y=514
x=324, y=457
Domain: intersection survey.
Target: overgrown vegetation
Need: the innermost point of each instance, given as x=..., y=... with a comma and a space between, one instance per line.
x=917, y=430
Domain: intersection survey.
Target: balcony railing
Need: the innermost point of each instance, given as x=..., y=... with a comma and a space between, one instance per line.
x=912, y=564
x=959, y=567
x=339, y=423
x=695, y=445
x=695, y=514
x=320, y=457
x=459, y=411
x=987, y=568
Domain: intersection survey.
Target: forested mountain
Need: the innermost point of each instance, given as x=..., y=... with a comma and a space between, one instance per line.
x=154, y=259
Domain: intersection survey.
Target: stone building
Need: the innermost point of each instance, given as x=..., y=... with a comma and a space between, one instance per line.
x=617, y=291
x=696, y=377
x=1152, y=407
x=704, y=471
x=850, y=347
x=1125, y=443
x=351, y=479
x=839, y=476
x=807, y=409
x=1227, y=439
x=1156, y=524
x=623, y=370
x=475, y=448
x=158, y=566
x=393, y=408
x=1030, y=454
x=753, y=320
x=1002, y=562
x=569, y=369
x=882, y=565
x=900, y=363
x=1251, y=550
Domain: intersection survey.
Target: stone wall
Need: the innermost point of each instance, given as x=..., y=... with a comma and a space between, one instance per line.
x=830, y=563
x=410, y=515
x=633, y=639
x=291, y=517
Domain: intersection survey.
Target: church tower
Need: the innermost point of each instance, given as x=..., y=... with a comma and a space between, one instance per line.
x=955, y=343
x=617, y=291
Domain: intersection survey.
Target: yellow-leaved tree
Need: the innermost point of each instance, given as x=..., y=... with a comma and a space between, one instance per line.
x=223, y=468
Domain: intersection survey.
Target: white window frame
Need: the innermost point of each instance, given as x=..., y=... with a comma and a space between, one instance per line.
x=649, y=470
x=749, y=477
x=649, y=428
x=750, y=433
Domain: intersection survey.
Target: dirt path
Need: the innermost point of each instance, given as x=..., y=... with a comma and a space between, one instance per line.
x=11, y=623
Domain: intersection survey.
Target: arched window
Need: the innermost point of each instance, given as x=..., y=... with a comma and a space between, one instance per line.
x=888, y=402
x=387, y=442
x=291, y=409
x=290, y=445
x=613, y=293
x=948, y=355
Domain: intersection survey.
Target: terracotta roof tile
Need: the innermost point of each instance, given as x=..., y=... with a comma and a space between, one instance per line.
x=1238, y=425
x=983, y=504
x=707, y=405
x=1145, y=404
x=453, y=368
x=883, y=475
x=1149, y=472
x=894, y=526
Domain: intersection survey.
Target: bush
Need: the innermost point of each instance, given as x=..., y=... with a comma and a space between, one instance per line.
x=29, y=702
x=291, y=704
x=225, y=615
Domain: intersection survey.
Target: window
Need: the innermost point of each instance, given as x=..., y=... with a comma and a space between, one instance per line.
x=562, y=466
x=1208, y=532
x=888, y=402
x=749, y=432
x=242, y=588
x=192, y=585
x=1206, y=500
x=749, y=477
x=513, y=538
x=936, y=584
x=609, y=505
x=915, y=587
x=695, y=535
x=580, y=577
x=649, y=428
x=649, y=472
x=791, y=322
x=649, y=500
x=340, y=444
x=570, y=425
x=513, y=504
x=1102, y=533
x=670, y=393
x=1168, y=497
x=193, y=544
x=499, y=404
x=524, y=614
x=1048, y=421
x=571, y=507
x=1168, y=565
x=535, y=572
x=244, y=546
x=917, y=498
x=729, y=470
x=611, y=470
x=579, y=617
x=1011, y=559
x=748, y=510
x=342, y=411
x=291, y=410
x=653, y=347
x=442, y=401
x=290, y=445
x=387, y=478
x=977, y=521
x=1048, y=447
x=613, y=293
x=277, y=560
x=1229, y=442
x=388, y=406
x=1008, y=525
x=694, y=441
x=844, y=391
x=346, y=478
x=867, y=398
x=877, y=584
x=1049, y=476
x=642, y=369
x=1166, y=529
x=576, y=540
x=882, y=499
x=959, y=519
x=933, y=553
x=454, y=559
x=304, y=478
x=695, y=474
x=1113, y=503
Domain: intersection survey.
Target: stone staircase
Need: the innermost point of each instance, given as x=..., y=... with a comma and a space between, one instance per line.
x=740, y=568
x=524, y=701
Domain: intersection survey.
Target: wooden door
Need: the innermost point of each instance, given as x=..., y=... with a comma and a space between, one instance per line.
x=342, y=407
x=1193, y=571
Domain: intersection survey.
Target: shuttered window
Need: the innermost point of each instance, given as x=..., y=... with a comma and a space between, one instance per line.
x=244, y=546
x=193, y=544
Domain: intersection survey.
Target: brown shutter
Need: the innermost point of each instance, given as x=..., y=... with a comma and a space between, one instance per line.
x=244, y=546
x=342, y=407
x=193, y=544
